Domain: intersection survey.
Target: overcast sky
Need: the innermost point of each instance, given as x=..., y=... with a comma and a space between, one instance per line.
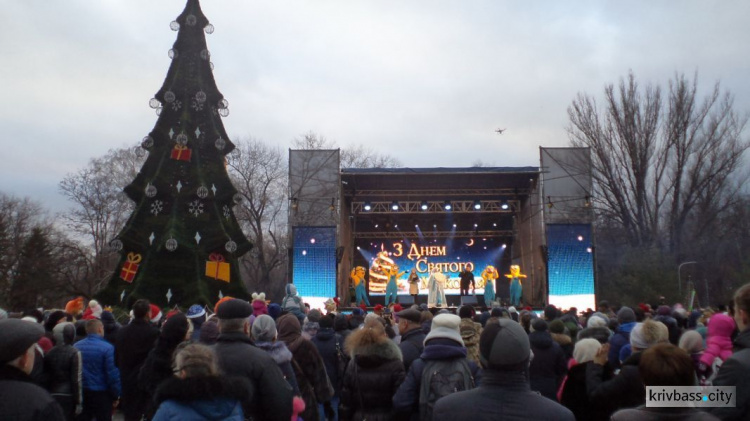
x=427, y=81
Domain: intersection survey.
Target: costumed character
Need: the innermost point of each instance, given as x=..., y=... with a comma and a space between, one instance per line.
x=93, y=311
x=467, y=279
x=489, y=275
x=413, y=283
x=74, y=307
x=515, y=284
x=391, y=290
x=259, y=306
x=436, y=286
x=357, y=277
x=293, y=303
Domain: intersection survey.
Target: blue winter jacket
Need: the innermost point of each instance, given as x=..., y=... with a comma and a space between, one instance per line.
x=99, y=370
x=617, y=341
x=217, y=409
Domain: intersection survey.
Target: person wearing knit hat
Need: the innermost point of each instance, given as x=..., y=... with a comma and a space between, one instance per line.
x=559, y=334
x=197, y=315
x=264, y=333
x=504, y=391
x=621, y=337
x=625, y=390
x=274, y=310
x=444, y=352
x=209, y=332
x=574, y=395
x=20, y=398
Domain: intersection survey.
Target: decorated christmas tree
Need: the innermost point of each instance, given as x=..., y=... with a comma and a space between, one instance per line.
x=181, y=244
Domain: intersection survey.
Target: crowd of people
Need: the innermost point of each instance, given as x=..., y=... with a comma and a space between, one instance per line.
x=284, y=361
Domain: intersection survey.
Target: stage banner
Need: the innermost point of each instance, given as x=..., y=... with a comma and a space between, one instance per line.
x=450, y=256
x=314, y=261
x=570, y=265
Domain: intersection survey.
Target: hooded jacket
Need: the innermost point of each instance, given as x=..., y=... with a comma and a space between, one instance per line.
x=618, y=340
x=371, y=379
x=283, y=357
x=735, y=372
x=719, y=341
x=549, y=365
x=201, y=398
x=325, y=341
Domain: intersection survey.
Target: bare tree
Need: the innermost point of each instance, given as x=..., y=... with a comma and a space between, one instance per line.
x=259, y=172
x=356, y=156
x=655, y=161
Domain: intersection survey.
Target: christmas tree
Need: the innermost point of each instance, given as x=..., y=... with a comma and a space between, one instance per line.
x=181, y=244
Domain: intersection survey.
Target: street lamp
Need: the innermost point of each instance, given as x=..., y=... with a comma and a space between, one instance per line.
x=679, y=279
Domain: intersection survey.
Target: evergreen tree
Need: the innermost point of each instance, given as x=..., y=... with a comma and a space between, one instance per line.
x=181, y=244
x=33, y=273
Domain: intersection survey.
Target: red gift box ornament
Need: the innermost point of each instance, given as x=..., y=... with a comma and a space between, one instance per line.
x=181, y=153
x=130, y=268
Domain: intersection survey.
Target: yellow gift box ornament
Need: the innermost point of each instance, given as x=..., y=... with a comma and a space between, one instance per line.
x=217, y=268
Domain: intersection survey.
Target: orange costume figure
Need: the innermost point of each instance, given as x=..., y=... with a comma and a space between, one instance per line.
x=515, y=284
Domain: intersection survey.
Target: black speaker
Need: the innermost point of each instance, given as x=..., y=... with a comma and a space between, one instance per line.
x=405, y=299
x=468, y=300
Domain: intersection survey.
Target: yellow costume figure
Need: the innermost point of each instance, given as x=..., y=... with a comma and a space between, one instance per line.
x=489, y=274
x=391, y=290
x=515, y=284
x=357, y=276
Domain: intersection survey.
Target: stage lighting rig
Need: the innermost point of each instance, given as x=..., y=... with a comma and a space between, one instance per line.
x=477, y=205
x=447, y=206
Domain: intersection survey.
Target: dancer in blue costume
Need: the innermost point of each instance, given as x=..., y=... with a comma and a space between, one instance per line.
x=391, y=290
x=515, y=284
x=358, y=277
x=489, y=274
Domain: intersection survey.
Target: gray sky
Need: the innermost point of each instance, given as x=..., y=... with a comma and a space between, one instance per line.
x=427, y=81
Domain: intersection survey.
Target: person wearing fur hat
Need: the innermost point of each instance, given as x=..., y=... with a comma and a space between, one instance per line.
x=62, y=368
x=574, y=395
x=504, y=391
x=549, y=366
x=134, y=342
x=626, y=320
x=264, y=334
x=197, y=391
x=271, y=395
x=625, y=390
x=470, y=331
x=443, y=350
x=311, y=324
x=20, y=397
x=373, y=375
x=558, y=333
x=596, y=327
x=314, y=385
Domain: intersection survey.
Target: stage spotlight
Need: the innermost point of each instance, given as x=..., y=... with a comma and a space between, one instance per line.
x=477, y=205
x=394, y=206
x=377, y=225
x=454, y=225
x=588, y=249
x=505, y=206
x=358, y=248
x=494, y=224
x=416, y=225
x=304, y=252
x=505, y=245
x=312, y=241
x=447, y=206
x=580, y=238
x=476, y=225
x=395, y=226
x=367, y=206
x=424, y=206
x=434, y=225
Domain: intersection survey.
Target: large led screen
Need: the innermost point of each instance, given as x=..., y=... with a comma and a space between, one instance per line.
x=450, y=256
x=314, y=261
x=570, y=265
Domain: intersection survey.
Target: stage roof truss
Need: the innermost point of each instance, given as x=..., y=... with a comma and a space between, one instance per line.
x=510, y=193
x=434, y=234
x=415, y=207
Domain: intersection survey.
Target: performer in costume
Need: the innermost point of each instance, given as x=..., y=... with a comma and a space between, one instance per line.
x=357, y=276
x=515, y=284
x=467, y=278
x=489, y=275
x=391, y=290
x=436, y=285
x=413, y=284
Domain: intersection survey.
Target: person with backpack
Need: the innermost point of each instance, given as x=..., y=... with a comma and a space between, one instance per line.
x=331, y=348
x=293, y=303
x=373, y=375
x=504, y=393
x=442, y=369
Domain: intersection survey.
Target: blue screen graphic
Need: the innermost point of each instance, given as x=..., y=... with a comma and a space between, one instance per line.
x=570, y=259
x=314, y=261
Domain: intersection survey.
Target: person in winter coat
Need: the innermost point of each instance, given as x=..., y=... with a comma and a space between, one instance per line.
x=341, y=326
x=264, y=334
x=111, y=327
x=692, y=343
x=574, y=394
x=503, y=393
x=412, y=336
x=134, y=342
x=158, y=364
x=373, y=375
x=197, y=316
x=442, y=344
x=664, y=315
x=62, y=366
x=292, y=303
x=625, y=390
x=197, y=392
x=20, y=397
x=330, y=345
x=664, y=365
x=626, y=320
x=596, y=327
x=314, y=385
x=557, y=331
x=101, y=378
x=719, y=340
x=271, y=395
x=549, y=366
x=736, y=369
x=470, y=331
